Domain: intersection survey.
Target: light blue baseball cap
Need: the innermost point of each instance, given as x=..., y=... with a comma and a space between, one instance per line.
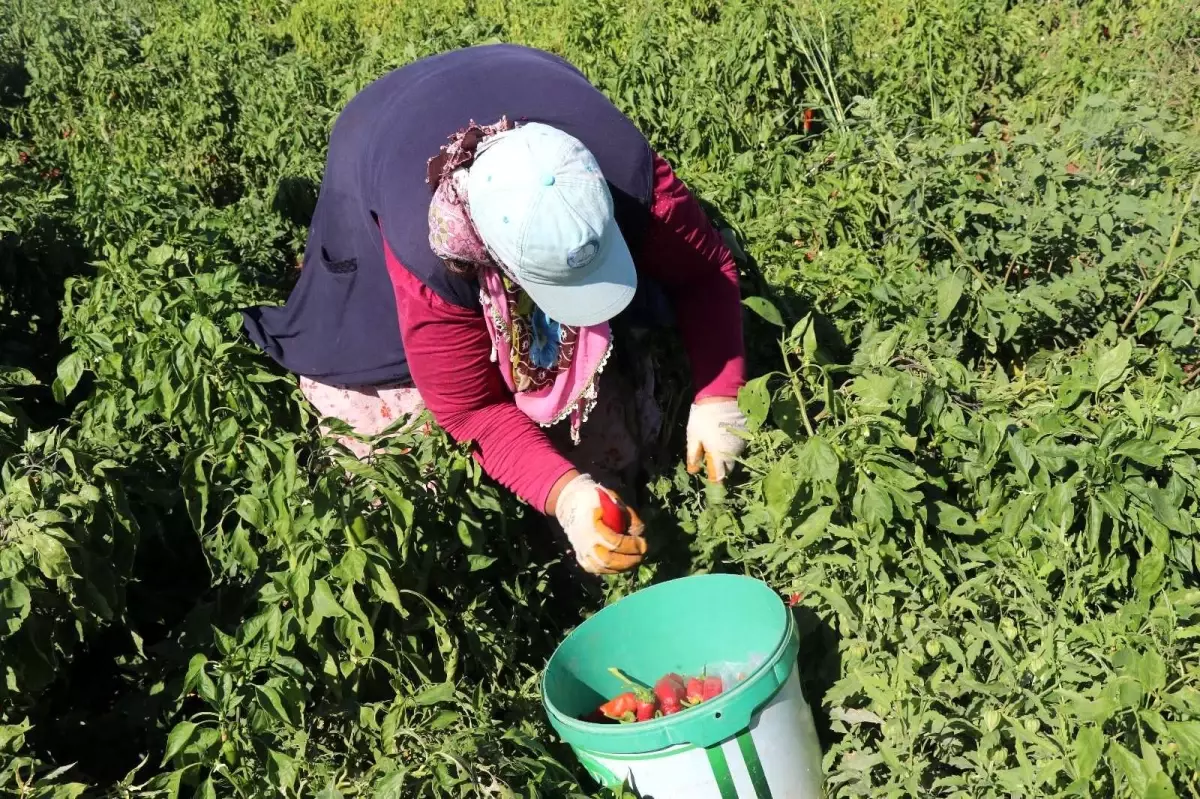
x=541, y=205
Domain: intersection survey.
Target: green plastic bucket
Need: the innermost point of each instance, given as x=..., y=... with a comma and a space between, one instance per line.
x=755, y=741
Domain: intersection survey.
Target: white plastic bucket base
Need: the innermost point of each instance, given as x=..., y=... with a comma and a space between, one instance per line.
x=778, y=757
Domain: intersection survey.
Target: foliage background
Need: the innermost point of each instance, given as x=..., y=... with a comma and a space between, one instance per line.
x=975, y=406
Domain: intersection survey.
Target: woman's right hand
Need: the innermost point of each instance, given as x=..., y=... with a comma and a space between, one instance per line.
x=605, y=532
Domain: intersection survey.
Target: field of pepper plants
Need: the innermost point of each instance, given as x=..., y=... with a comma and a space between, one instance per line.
x=970, y=240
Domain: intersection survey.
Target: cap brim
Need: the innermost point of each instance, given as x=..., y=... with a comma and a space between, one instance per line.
x=604, y=292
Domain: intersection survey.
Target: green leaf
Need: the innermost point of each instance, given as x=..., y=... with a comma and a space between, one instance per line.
x=442, y=692
x=181, y=735
x=479, y=562
x=954, y=520
x=765, y=309
x=70, y=369
x=351, y=570
x=1089, y=746
x=159, y=255
x=1160, y=787
x=206, y=790
x=324, y=606
x=14, y=596
x=1129, y=766
x=1148, y=578
x=874, y=392
x=786, y=414
x=12, y=736
x=52, y=557
x=1144, y=452
x=270, y=701
x=384, y=587
x=949, y=292
x=818, y=461
x=1186, y=735
x=1111, y=365
x=754, y=399
x=1020, y=455
x=1152, y=671
x=779, y=486
x=391, y=786
x=251, y=511
x=873, y=504
x=813, y=527
x=281, y=769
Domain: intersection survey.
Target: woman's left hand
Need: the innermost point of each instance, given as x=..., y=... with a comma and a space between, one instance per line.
x=712, y=437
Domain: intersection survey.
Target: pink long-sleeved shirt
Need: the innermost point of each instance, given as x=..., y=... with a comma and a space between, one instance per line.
x=449, y=350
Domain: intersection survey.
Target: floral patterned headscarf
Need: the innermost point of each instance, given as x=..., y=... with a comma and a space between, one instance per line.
x=552, y=369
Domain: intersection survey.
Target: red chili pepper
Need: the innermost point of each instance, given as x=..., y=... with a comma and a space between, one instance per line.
x=611, y=514
x=669, y=687
x=645, y=700
x=808, y=118
x=712, y=687
x=647, y=708
x=695, y=690
x=620, y=706
x=671, y=691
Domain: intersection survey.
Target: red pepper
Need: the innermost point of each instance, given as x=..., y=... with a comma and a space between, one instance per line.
x=712, y=687
x=620, y=706
x=695, y=690
x=645, y=700
x=669, y=688
x=808, y=118
x=670, y=692
x=611, y=514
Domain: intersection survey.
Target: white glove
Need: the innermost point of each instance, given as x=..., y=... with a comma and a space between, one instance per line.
x=605, y=532
x=712, y=440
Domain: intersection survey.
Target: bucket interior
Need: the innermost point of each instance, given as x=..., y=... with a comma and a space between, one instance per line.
x=679, y=626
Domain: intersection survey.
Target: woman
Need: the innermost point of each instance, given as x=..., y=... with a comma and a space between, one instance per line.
x=489, y=277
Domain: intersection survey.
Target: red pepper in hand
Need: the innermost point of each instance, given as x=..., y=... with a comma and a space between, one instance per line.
x=611, y=514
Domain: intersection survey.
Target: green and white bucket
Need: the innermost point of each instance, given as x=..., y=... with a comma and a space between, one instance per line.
x=755, y=741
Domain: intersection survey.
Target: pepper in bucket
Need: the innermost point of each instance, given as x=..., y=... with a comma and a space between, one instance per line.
x=671, y=694
x=489, y=228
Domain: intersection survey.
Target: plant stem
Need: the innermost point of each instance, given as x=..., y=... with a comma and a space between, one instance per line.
x=958, y=248
x=808, y=428
x=1145, y=296
x=1008, y=272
